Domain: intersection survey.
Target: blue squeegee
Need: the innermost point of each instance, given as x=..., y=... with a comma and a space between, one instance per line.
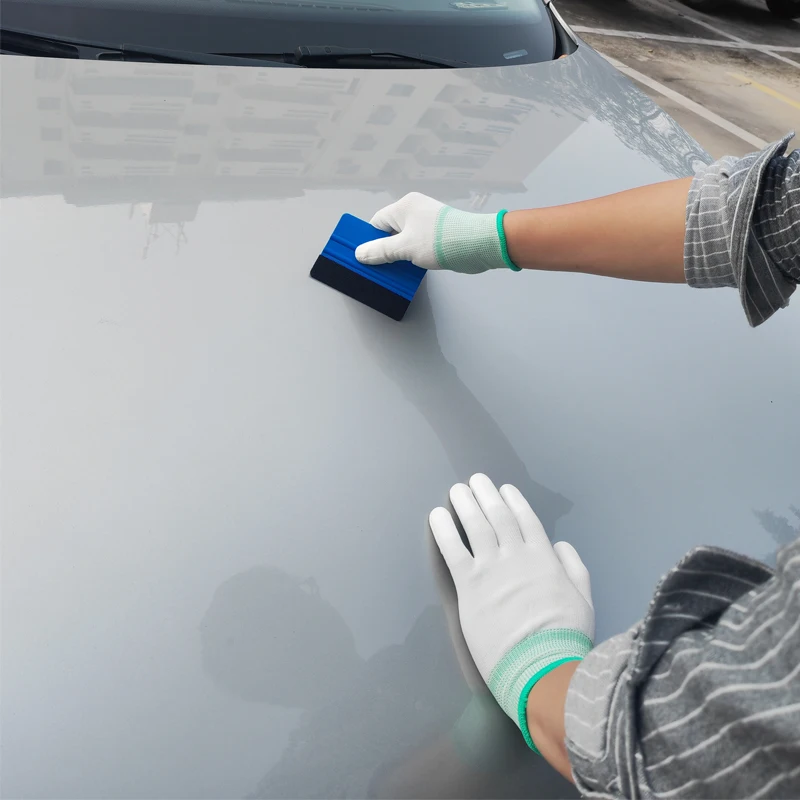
x=388, y=288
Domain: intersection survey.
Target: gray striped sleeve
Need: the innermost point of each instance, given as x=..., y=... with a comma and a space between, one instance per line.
x=701, y=699
x=743, y=228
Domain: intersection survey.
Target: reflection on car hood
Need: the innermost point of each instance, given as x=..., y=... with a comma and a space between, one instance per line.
x=216, y=471
x=116, y=133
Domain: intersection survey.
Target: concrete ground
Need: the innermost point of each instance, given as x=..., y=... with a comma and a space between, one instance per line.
x=731, y=78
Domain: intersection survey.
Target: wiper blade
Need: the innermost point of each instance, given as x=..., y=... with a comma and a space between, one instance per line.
x=327, y=55
x=31, y=43
x=36, y=44
x=132, y=52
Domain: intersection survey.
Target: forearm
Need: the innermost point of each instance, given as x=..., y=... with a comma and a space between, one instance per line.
x=545, y=713
x=735, y=223
x=638, y=234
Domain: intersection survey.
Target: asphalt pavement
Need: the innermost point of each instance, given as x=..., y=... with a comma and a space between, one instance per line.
x=731, y=78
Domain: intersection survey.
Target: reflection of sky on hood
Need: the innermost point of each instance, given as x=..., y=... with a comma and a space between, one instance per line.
x=551, y=183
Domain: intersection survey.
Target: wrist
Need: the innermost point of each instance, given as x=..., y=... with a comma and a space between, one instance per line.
x=545, y=715
x=471, y=243
x=528, y=662
x=546, y=701
x=532, y=242
x=501, y=234
x=518, y=230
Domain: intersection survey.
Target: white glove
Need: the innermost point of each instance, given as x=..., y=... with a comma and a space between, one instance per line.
x=525, y=605
x=435, y=236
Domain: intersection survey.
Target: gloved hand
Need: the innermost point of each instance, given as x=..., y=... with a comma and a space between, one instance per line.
x=525, y=605
x=435, y=236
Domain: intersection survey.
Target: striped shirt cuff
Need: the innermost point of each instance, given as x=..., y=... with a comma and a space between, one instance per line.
x=741, y=218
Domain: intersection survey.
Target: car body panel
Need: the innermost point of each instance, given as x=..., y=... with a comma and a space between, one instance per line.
x=217, y=579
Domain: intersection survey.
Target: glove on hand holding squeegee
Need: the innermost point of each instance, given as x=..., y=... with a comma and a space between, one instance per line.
x=435, y=236
x=525, y=605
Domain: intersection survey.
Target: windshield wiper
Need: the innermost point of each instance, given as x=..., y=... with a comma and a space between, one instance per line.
x=331, y=55
x=36, y=44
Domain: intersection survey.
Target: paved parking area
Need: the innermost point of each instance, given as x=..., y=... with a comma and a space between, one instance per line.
x=731, y=78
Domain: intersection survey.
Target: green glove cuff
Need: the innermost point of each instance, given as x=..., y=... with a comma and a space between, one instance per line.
x=471, y=243
x=526, y=663
x=501, y=232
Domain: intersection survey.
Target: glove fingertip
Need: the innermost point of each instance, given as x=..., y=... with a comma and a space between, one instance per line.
x=480, y=478
x=568, y=555
x=576, y=570
x=446, y=535
x=515, y=500
x=438, y=517
x=566, y=547
x=366, y=254
x=458, y=490
x=381, y=223
x=384, y=219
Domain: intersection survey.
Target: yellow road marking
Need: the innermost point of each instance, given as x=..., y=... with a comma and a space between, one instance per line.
x=766, y=89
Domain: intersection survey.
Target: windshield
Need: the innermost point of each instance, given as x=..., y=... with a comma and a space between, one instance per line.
x=481, y=33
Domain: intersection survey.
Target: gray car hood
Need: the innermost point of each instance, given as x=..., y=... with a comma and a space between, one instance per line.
x=216, y=574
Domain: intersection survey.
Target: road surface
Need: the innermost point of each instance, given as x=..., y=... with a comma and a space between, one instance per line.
x=732, y=79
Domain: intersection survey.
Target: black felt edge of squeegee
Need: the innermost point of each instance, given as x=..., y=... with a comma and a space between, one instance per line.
x=359, y=288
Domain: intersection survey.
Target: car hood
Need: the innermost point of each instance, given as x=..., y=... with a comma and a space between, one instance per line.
x=216, y=573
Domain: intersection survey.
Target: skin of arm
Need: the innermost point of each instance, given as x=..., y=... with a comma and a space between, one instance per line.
x=545, y=712
x=637, y=234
